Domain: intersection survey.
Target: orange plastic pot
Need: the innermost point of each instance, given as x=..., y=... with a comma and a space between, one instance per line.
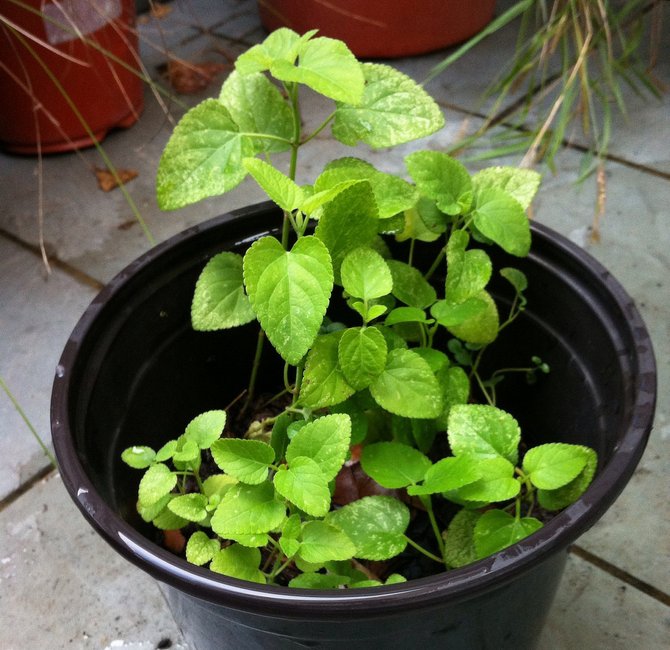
x=64, y=76
x=382, y=29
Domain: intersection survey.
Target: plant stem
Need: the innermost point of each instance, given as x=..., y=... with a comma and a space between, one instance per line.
x=436, y=263
x=428, y=505
x=422, y=550
x=251, y=391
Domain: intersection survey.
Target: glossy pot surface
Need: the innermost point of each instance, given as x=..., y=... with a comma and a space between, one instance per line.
x=134, y=372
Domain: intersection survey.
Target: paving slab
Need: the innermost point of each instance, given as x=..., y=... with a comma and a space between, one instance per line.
x=36, y=317
x=62, y=586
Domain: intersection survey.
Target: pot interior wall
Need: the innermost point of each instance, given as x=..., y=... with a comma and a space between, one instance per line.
x=143, y=373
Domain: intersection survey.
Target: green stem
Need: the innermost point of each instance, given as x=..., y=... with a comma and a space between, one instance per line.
x=298, y=382
x=436, y=264
x=412, y=242
x=428, y=505
x=422, y=550
x=323, y=125
x=24, y=417
x=251, y=391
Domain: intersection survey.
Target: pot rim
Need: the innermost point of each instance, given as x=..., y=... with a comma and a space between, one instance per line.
x=452, y=585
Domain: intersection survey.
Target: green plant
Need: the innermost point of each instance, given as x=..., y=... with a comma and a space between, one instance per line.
x=379, y=394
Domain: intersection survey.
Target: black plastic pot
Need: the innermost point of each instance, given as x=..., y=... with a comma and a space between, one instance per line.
x=133, y=371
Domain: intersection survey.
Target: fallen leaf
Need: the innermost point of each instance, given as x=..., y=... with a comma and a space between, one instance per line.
x=174, y=541
x=189, y=78
x=107, y=181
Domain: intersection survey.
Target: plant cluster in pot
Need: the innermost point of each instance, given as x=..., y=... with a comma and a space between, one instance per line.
x=345, y=472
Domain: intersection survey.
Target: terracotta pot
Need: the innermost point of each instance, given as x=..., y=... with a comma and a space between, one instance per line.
x=379, y=28
x=104, y=93
x=135, y=372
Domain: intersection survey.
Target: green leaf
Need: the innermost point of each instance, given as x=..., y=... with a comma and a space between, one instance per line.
x=443, y=179
x=407, y=315
x=468, y=272
x=459, y=543
x=189, y=506
x=257, y=107
x=553, y=465
x=188, y=452
x=393, y=464
x=138, y=457
x=365, y=274
x=394, y=109
x=251, y=541
x=157, y=481
x=248, y=509
x=166, y=452
x=348, y=222
x=286, y=193
x=312, y=580
x=246, y=460
x=407, y=386
x=448, y=474
x=452, y=314
x=323, y=542
x=376, y=525
x=282, y=44
x=496, y=530
x=483, y=431
x=219, y=301
x=362, y=354
x=436, y=359
x=325, y=441
x=455, y=386
x=203, y=157
x=200, y=549
x=520, y=184
x=289, y=291
x=392, y=194
x=483, y=327
x=409, y=285
x=289, y=535
x=516, y=278
x=314, y=202
x=502, y=219
x=168, y=520
x=324, y=382
x=217, y=484
x=148, y=513
x=564, y=496
x=327, y=66
x=239, y=562
x=497, y=482
x=304, y=485
x=206, y=428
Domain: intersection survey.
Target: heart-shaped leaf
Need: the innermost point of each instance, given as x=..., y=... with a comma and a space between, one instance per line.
x=323, y=542
x=239, y=562
x=393, y=464
x=245, y=460
x=304, y=485
x=362, y=354
x=248, y=509
x=502, y=219
x=496, y=530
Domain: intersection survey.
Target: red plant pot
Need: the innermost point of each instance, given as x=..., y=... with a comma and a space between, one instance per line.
x=382, y=29
x=55, y=82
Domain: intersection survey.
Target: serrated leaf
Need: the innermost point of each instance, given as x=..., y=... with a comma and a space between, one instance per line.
x=168, y=520
x=443, y=179
x=553, y=465
x=247, y=510
x=166, y=451
x=285, y=192
x=200, y=549
x=323, y=542
x=282, y=44
x=409, y=285
x=497, y=482
x=289, y=291
x=502, y=219
x=414, y=227
x=450, y=314
x=459, y=543
x=257, y=107
x=324, y=383
x=327, y=66
x=138, y=457
x=564, y=496
x=365, y=274
x=206, y=428
x=325, y=441
x=203, y=157
x=219, y=300
x=187, y=451
x=455, y=386
x=407, y=315
x=407, y=386
x=482, y=327
x=483, y=431
x=148, y=513
x=394, y=109
x=468, y=271
x=251, y=541
x=496, y=530
x=189, y=506
x=348, y=222
x=246, y=460
x=376, y=525
x=313, y=202
x=362, y=354
x=217, y=484
x=393, y=464
x=521, y=184
x=157, y=481
x=436, y=359
x=392, y=194
x=448, y=474
x=304, y=485
x=237, y=561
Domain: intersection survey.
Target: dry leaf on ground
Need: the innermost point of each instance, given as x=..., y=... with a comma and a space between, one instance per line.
x=106, y=180
x=189, y=78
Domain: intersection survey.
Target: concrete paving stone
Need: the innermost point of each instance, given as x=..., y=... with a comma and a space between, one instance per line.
x=36, y=317
x=596, y=611
x=62, y=586
x=634, y=246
